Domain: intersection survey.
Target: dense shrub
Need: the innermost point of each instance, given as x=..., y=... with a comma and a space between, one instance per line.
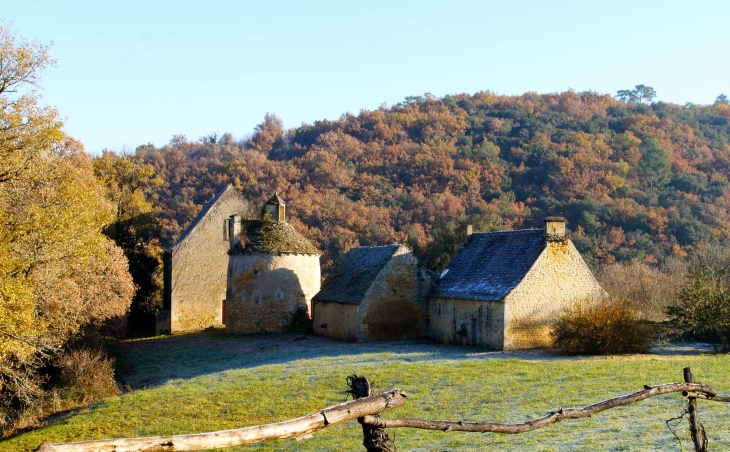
x=704, y=304
x=600, y=327
x=86, y=376
x=77, y=378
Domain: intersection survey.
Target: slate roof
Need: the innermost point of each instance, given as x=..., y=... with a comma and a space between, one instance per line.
x=206, y=208
x=275, y=200
x=351, y=276
x=274, y=237
x=490, y=265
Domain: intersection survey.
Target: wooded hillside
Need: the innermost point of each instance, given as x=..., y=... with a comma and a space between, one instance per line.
x=635, y=180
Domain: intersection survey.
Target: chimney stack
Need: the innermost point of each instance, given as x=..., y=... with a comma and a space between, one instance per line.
x=555, y=228
x=234, y=230
x=469, y=232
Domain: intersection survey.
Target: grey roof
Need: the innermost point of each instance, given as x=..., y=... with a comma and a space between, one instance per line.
x=206, y=208
x=351, y=276
x=275, y=200
x=490, y=265
x=274, y=237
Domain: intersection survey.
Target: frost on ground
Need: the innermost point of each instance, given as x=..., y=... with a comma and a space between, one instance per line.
x=189, y=355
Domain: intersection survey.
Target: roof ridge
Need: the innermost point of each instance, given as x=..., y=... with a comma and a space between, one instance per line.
x=511, y=231
x=203, y=212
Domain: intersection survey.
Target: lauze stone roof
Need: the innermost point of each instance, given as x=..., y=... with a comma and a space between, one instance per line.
x=274, y=237
x=353, y=273
x=490, y=265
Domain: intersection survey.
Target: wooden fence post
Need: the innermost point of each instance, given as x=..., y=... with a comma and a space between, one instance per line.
x=695, y=426
x=375, y=439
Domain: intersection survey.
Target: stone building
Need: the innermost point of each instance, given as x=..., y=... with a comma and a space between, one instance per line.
x=374, y=293
x=503, y=290
x=273, y=272
x=195, y=268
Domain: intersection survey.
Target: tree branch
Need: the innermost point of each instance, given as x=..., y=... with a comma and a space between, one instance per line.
x=301, y=427
x=550, y=418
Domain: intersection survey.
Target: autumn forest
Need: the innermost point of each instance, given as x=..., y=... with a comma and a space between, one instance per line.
x=644, y=185
x=636, y=181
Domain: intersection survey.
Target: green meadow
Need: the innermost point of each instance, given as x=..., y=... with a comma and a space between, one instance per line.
x=210, y=381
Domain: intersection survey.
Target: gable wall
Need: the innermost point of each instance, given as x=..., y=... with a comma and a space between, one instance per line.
x=198, y=268
x=557, y=279
x=396, y=304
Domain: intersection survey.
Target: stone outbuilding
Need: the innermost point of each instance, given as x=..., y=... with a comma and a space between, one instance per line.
x=371, y=293
x=504, y=290
x=273, y=272
x=195, y=268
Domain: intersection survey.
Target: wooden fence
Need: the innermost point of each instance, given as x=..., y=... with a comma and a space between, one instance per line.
x=367, y=407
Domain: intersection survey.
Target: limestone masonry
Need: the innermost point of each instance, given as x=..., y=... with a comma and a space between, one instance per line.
x=503, y=290
x=195, y=268
x=273, y=273
x=253, y=273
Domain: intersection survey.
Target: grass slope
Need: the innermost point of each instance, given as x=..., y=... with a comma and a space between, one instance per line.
x=210, y=381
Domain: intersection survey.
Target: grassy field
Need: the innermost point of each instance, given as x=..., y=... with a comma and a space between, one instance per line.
x=210, y=381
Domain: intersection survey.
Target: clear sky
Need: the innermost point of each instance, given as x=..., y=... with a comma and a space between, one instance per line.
x=134, y=72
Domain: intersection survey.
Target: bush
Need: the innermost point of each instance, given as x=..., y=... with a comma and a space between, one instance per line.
x=704, y=304
x=82, y=376
x=600, y=327
x=86, y=376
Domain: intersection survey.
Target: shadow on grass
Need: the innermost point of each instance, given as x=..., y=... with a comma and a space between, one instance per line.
x=152, y=362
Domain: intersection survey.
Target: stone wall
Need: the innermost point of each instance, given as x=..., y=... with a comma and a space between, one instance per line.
x=396, y=304
x=467, y=322
x=337, y=320
x=557, y=279
x=268, y=293
x=198, y=266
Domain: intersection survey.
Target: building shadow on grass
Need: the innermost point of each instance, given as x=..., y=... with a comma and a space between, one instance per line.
x=152, y=362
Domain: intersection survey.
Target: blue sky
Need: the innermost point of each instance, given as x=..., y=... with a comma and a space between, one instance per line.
x=135, y=72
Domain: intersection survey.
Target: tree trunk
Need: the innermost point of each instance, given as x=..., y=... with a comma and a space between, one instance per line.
x=302, y=427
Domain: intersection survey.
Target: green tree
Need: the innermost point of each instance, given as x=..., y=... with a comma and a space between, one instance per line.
x=655, y=163
x=645, y=93
x=704, y=304
x=628, y=96
x=640, y=94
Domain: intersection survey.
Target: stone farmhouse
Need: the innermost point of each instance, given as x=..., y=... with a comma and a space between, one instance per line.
x=503, y=290
x=253, y=273
x=273, y=272
x=374, y=292
x=195, y=268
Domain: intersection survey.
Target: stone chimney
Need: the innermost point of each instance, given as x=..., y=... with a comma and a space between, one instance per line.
x=234, y=231
x=469, y=232
x=276, y=207
x=555, y=229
